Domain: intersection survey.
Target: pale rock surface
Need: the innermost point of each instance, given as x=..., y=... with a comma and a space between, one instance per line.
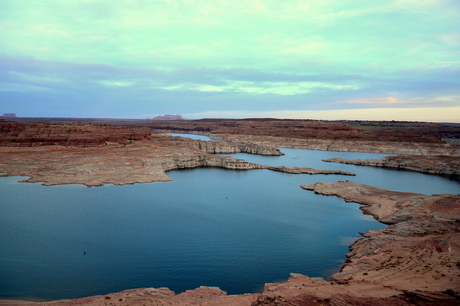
x=427, y=164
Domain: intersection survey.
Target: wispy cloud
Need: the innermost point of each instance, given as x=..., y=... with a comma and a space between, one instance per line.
x=14, y=87
x=117, y=83
x=376, y=101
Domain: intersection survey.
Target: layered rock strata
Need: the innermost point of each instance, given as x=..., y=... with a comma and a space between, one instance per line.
x=413, y=138
x=419, y=250
x=428, y=164
x=342, y=145
x=214, y=147
x=67, y=134
x=119, y=156
x=118, y=165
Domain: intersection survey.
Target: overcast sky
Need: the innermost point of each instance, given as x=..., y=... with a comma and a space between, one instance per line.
x=314, y=59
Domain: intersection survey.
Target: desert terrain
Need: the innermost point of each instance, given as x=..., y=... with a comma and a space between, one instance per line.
x=414, y=260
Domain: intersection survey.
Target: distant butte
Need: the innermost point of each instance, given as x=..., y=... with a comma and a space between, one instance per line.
x=8, y=116
x=169, y=117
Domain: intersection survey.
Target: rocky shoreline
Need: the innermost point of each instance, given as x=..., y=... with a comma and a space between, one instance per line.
x=418, y=250
x=363, y=146
x=137, y=162
x=449, y=165
x=67, y=153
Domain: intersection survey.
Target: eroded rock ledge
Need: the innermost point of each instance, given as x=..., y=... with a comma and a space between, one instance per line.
x=428, y=164
x=214, y=147
x=419, y=250
x=118, y=165
x=93, y=154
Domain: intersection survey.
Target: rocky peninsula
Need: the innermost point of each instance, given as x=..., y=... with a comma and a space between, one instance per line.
x=93, y=154
x=418, y=250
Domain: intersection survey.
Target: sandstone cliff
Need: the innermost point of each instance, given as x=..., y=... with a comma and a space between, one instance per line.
x=214, y=147
x=428, y=164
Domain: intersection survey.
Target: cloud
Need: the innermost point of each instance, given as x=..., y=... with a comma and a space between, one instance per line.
x=413, y=101
x=376, y=101
x=42, y=78
x=106, y=88
x=14, y=87
x=275, y=88
x=117, y=83
x=452, y=38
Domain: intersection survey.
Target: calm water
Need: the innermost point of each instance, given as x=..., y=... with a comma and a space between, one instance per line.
x=233, y=229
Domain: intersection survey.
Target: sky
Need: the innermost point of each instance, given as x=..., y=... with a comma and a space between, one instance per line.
x=310, y=59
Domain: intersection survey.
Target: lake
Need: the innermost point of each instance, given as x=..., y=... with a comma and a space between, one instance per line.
x=233, y=229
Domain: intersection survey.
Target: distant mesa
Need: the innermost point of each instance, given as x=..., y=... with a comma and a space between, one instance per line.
x=8, y=116
x=169, y=117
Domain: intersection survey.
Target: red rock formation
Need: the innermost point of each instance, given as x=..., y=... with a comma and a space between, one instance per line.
x=66, y=134
x=427, y=164
x=394, y=138
x=419, y=250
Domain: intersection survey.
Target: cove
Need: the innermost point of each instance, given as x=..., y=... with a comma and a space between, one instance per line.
x=214, y=227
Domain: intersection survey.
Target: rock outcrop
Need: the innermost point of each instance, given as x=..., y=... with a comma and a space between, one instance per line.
x=66, y=134
x=412, y=138
x=220, y=147
x=114, y=155
x=339, y=145
x=419, y=250
x=298, y=290
x=428, y=164
x=138, y=162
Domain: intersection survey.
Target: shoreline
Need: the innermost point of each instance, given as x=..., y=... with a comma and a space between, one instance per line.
x=421, y=242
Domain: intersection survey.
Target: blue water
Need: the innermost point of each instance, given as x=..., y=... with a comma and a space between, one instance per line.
x=193, y=136
x=233, y=229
